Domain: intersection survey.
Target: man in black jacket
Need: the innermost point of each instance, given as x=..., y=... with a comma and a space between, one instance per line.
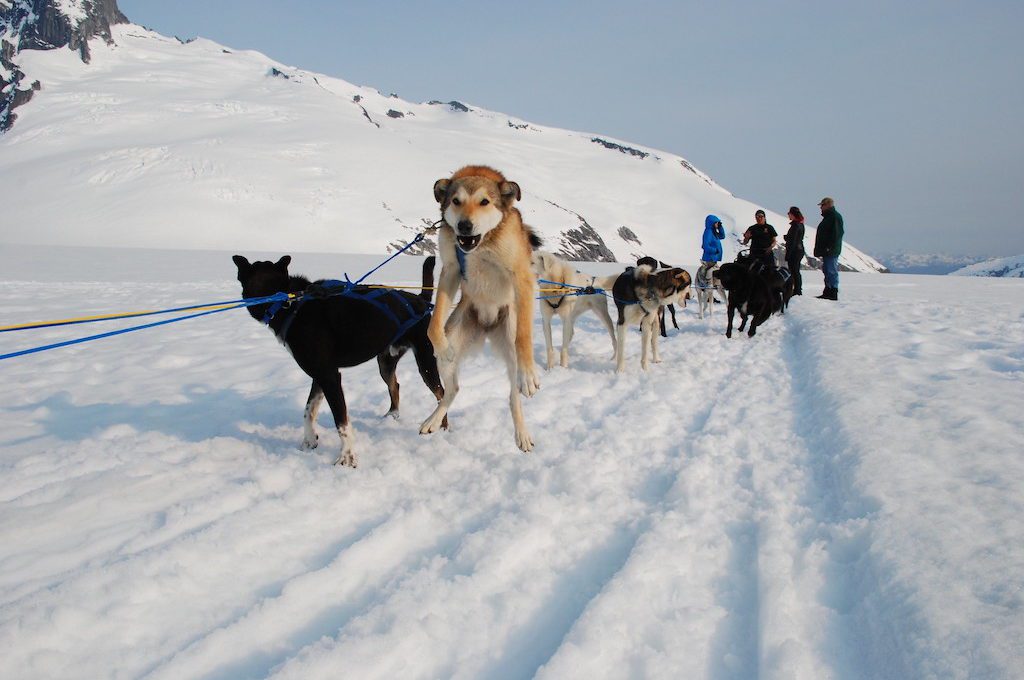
x=761, y=237
x=828, y=244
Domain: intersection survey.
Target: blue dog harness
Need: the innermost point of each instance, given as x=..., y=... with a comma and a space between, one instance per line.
x=333, y=288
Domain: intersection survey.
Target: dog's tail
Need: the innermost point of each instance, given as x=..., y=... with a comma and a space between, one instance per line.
x=428, y=278
x=535, y=240
x=605, y=282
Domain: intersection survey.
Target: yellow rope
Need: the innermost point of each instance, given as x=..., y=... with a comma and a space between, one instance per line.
x=129, y=315
x=106, y=317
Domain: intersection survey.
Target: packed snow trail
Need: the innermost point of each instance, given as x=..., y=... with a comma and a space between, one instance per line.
x=748, y=508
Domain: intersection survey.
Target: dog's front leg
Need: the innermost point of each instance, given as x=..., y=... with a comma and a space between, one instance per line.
x=731, y=312
x=331, y=385
x=528, y=380
x=447, y=286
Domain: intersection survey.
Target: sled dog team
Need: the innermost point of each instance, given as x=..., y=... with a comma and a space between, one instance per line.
x=492, y=257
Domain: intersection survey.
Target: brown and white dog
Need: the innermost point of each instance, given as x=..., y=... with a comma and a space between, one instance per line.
x=638, y=293
x=568, y=308
x=485, y=251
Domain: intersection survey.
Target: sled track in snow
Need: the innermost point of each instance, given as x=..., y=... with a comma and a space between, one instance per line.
x=861, y=639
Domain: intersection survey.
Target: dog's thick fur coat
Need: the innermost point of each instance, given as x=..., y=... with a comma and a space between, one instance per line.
x=568, y=308
x=339, y=331
x=749, y=293
x=497, y=283
x=638, y=294
x=681, y=298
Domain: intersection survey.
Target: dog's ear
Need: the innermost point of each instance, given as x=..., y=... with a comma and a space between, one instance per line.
x=242, y=264
x=283, y=263
x=441, y=188
x=510, y=191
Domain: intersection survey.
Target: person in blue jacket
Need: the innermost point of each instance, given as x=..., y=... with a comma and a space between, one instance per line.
x=714, y=232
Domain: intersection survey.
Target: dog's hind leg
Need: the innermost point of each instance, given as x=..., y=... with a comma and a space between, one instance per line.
x=600, y=308
x=546, y=315
x=503, y=340
x=730, y=313
x=316, y=397
x=568, y=328
x=620, y=348
x=388, y=365
x=647, y=333
x=672, y=310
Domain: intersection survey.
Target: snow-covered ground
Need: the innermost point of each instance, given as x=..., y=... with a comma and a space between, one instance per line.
x=840, y=497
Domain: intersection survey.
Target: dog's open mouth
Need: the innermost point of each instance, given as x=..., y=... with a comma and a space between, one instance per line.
x=467, y=243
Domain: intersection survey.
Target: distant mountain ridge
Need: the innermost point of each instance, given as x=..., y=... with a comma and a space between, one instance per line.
x=154, y=142
x=925, y=263
x=1002, y=267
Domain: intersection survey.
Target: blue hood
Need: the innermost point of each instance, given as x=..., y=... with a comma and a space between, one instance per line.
x=710, y=220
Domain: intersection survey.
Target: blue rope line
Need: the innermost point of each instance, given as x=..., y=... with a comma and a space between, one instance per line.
x=245, y=303
x=279, y=298
x=410, y=244
x=51, y=324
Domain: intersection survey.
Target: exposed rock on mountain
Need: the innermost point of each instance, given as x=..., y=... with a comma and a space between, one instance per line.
x=46, y=25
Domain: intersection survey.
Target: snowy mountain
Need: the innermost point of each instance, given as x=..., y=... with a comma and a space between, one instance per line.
x=925, y=263
x=1009, y=267
x=125, y=137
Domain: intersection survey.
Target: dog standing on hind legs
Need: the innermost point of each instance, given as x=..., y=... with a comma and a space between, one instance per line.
x=485, y=252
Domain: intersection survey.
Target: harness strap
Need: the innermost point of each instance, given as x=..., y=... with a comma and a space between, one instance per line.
x=334, y=288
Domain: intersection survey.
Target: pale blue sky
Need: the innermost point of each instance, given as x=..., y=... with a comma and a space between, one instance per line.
x=908, y=113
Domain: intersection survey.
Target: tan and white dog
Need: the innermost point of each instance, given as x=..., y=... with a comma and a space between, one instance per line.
x=706, y=286
x=638, y=294
x=568, y=308
x=485, y=251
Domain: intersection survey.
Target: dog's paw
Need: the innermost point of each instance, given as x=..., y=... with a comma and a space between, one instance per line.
x=529, y=383
x=347, y=459
x=392, y=413
x=564, y=361
x=437, y=420
x=524, y=441
x=310, y=443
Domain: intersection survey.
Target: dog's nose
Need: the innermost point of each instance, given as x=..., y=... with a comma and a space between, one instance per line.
x=465, y=227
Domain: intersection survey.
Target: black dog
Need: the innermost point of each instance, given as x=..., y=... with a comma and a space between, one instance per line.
x=748, y=292
x=778, y=279
x=334, y=326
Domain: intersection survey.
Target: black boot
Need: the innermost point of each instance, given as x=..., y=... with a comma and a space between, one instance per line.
x=833, y=294
x=825, y=294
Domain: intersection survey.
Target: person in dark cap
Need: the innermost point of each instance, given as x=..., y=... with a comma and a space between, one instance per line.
x=762, y=237
x=794, y=239
x=828, y=244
